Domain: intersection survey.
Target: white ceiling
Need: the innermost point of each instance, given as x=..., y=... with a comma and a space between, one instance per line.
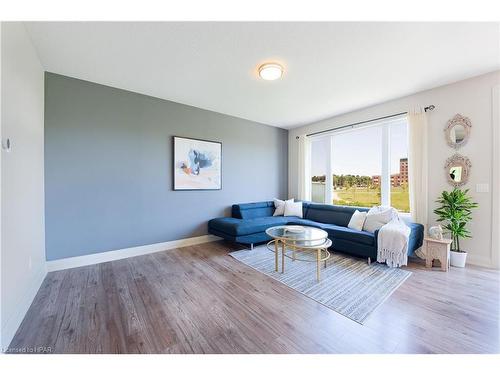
x=330, y=68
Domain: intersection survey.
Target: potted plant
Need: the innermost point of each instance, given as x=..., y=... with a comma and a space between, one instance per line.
x=455, y=211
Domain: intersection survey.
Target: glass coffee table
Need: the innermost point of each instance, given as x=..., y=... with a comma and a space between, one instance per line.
x=297, y=238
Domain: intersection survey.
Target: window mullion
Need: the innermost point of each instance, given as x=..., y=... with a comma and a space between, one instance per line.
x=329, y=173
x=385, y=183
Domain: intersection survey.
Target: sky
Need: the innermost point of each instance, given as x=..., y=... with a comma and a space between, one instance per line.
x=359, y=151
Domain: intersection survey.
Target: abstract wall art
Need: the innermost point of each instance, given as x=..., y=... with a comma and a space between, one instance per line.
x=197, y=164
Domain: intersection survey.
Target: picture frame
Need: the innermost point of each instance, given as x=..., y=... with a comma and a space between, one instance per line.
x=197, y=164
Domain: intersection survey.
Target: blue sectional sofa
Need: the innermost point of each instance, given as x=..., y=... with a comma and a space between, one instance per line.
x=249, y=222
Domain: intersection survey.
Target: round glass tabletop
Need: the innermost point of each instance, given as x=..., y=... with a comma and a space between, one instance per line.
x=306, y=236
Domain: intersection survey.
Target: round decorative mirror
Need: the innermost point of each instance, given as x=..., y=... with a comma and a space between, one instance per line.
x=458, y=131
x=457, y=169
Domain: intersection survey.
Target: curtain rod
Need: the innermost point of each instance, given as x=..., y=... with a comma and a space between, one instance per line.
x=426, y=109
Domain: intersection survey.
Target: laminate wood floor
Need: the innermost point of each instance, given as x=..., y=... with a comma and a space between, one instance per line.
x=198, y=299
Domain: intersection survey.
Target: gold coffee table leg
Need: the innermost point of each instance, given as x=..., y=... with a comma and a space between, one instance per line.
x=318, y=264
x=276, y=255
x=282, y=256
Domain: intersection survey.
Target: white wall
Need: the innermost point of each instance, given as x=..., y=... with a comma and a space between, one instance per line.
x=22, y=190
x=472, y=98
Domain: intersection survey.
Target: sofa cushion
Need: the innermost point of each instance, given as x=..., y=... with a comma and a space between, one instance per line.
x=293, y=209
x=253, y=210
x=293, y=220
x=377, y=217
x=242, y=227
x=279, y=206
x=357, y=220
x=330, y=214
x=335, y=231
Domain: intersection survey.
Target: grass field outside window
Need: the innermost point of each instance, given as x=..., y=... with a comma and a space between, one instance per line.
x=365, y=196
x=369, y=197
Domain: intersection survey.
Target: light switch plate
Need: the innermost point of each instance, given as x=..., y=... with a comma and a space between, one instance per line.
x=482, y=188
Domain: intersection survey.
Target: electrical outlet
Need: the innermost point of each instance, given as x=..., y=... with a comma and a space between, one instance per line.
x=29, y=262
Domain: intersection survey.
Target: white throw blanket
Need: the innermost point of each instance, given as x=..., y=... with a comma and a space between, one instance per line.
x=393, y=243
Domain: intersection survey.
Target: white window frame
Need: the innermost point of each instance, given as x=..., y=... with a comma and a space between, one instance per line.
x=385, y=173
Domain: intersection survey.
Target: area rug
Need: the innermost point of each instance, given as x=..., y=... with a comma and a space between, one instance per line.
x=348, y=285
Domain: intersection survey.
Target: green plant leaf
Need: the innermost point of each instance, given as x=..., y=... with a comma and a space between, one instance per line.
x=455, y=211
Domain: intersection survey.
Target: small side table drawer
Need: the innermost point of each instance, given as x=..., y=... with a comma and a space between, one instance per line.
x=437, y=249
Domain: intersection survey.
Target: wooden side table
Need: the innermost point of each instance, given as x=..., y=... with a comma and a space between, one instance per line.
x=437, y=249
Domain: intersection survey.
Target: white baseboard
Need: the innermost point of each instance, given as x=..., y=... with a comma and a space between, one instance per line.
x=479, y=260
x=107, y=256
x=14, y=321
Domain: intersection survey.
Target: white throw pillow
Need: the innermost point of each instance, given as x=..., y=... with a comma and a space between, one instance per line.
x=293, y=208
x=357, y=220
x=377, y=217
x=279, y=206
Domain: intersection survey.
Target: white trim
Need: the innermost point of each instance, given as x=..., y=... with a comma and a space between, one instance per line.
x=479, y=260
x=1, y=125
x=495, y=190
x=329, y=173
x=341, y=130
x=13, y=322
x=107, y=256
x=385, y=175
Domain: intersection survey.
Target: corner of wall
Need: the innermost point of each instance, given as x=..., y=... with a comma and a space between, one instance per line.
x=495, y=191
x=12, y=323
x=23, y=265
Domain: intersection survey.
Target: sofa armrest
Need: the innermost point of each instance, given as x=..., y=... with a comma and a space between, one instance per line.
x=235, y=211
x=416, y=237
x=417, y=230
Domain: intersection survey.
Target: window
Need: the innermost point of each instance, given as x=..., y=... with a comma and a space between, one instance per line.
x=364, y=166
x=319, y=166
x=400, y=197
x=356, y=166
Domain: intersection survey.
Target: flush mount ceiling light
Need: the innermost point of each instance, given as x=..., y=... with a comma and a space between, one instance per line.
x=270, y=71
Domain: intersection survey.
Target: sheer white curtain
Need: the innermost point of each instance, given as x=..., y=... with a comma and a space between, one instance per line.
x=304, y=168
x=418, y=166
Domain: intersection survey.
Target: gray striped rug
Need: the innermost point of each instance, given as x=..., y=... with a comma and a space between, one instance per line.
x=348, y=285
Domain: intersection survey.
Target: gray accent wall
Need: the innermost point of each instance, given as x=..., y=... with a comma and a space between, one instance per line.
x=108, y=168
